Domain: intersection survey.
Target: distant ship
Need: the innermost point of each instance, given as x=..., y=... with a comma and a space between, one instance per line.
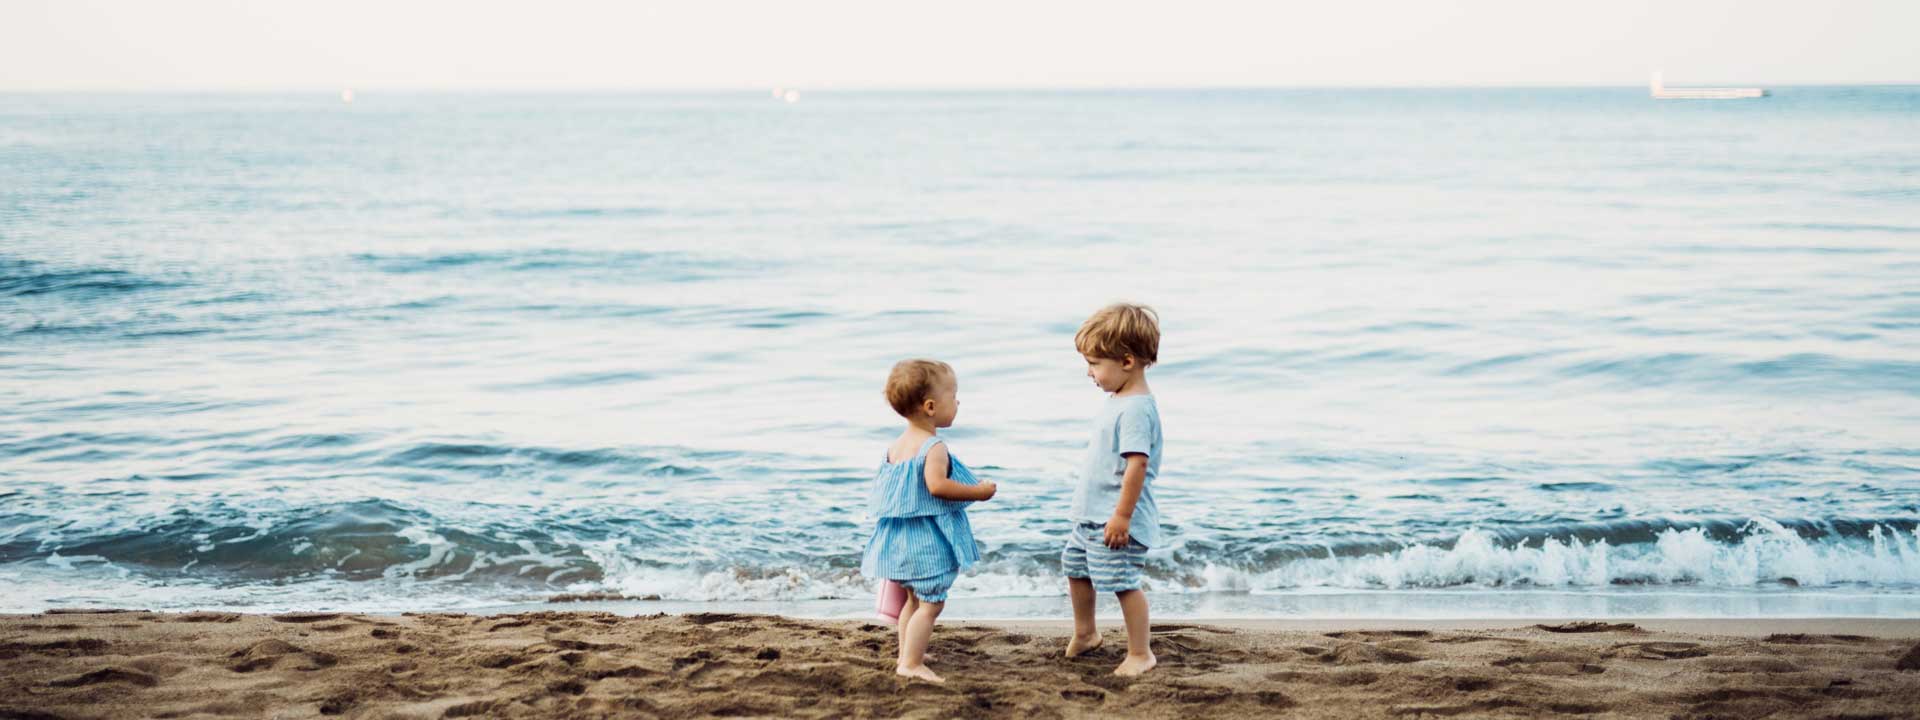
x=1660, y=91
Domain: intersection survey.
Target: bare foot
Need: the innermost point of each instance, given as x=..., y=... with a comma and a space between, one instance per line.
x=1078, y=644
x=1133, y=666
x=919, y=673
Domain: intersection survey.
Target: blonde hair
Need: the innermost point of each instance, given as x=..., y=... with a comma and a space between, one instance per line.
x=913, y=381
x=1119, y=330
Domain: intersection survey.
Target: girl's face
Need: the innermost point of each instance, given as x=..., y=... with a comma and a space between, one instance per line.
x=1108, y=373
x=944, y=404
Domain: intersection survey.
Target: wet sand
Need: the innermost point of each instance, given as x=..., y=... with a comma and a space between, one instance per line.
x=578, y=664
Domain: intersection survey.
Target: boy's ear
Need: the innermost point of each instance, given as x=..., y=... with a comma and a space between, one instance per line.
x=1128, y=363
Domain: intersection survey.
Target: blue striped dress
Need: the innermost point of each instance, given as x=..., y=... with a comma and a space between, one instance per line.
x=916, y=535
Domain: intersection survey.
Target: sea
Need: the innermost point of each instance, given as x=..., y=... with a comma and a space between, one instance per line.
x=1496, y=352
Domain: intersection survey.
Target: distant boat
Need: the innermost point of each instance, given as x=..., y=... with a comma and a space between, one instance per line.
x=1660, y=91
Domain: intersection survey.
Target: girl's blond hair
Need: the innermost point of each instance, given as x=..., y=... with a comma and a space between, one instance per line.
x=913, y=381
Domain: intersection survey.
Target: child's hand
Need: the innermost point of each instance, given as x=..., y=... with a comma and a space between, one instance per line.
x=1117, y=534
x=990, y=488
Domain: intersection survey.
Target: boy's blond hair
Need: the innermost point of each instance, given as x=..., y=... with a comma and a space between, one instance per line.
x=1119, y=330
x=913, y=381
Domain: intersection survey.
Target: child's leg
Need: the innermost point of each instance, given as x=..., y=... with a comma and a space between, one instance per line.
x=906, y=616
x=1133, y=606
x=919, y=632
x=1073, y=564
x=1086, y=636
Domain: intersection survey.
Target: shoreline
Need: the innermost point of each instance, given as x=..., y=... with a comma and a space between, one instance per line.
x=1887, y=628
x=1522, y=607
x=566, y=663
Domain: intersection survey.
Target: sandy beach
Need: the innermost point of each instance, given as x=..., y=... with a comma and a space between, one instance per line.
x=131, y=664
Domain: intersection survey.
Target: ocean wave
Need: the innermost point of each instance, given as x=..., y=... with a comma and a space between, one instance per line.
x=1765, y=552
x=1822, y=372
x=362, y=540
x=23, y=278
x=1819, y=372
x=570, y=213
x=628, y=264
x=134, y=326
x=57, y=302
x=512, y=555
x=1841, y=227
x=1568, y=366
x=480, y=456
x=578, y=380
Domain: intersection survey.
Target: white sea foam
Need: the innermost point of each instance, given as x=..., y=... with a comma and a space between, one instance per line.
x=1767, y=553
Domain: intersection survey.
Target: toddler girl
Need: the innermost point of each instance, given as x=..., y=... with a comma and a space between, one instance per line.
x=921, y=538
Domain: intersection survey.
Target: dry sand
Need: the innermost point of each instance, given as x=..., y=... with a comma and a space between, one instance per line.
x=573, y=664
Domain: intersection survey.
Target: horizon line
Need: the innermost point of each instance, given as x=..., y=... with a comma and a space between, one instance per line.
x=829, y=89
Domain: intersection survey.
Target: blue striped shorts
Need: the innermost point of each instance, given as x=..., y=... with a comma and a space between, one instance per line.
x=1087, y=556
x=931, y=589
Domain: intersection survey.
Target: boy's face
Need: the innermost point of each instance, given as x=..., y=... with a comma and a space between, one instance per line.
x=944, y=404
x=1110, y=374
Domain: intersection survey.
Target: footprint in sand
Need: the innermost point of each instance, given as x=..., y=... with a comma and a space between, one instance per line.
x=1336, y=678
x=623, y=671
x=1176, y=627
x=107, y=675
x=1011, y=638
x=711, y=618
x=1354, y=653
x=305, y=617
x=571, y=644
x=270, y=653
x=208, y=617
x=91, y=611
x=1378, y=634
x=1092, y=696
x=1471, y=684
x=1805, y=639
x=1551, y=663
x=1589, y=627
x=501, y=661
x=476, y=708
x=1658, y=650
x=1195, y=694
x=1748, y=701
x=1749, y=664
x=695, y=658
x=69, y=647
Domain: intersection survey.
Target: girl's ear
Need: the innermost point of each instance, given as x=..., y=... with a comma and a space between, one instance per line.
x=926, y=406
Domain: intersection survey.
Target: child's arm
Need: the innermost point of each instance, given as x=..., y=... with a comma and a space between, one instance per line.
x=1130, y=486
x=946, y=488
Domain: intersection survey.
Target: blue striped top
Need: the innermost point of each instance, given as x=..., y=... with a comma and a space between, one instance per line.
x=915, y=534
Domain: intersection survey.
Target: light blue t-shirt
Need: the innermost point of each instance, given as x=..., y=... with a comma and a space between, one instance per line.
x=1128, y=424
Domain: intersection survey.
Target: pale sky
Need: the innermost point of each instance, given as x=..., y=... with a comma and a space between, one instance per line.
x=840, y=44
